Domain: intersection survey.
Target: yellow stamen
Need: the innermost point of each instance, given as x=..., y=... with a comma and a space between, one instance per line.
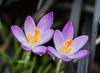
x=66, y=45
x=35, y=38
x=63, y=47
x=68, y=50
x=28, y=37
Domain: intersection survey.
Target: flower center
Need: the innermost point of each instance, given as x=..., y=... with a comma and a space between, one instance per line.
x=36, y=36
x=66, y=45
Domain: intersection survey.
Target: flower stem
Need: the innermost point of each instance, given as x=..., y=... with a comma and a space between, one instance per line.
x=58, y=66
x=27, y=57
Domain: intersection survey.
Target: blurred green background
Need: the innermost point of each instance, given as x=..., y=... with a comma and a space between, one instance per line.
x=13, y=59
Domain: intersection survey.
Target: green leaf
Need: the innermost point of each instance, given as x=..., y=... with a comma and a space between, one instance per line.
x=1, y=27
x=17, y=53
x=1, y=2
x=5, y=57
x=45, y=59
x=32, y=65
x=99, y=21
x=56, y=24
x=17, y=68
x=52, y=71
x=24, y=54
x=1, y=69
x=26, y=71
x=16, y=44
x=8, y=72
x=21, y=61
x=2, y=31
x=40, y=69
x=47, y=69
x=18, y=21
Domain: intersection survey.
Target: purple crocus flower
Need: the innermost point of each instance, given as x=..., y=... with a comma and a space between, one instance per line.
x=66, y=48
x=34, y=35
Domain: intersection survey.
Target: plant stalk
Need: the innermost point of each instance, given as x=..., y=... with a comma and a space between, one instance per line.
x=58, y=66
x=27, y=57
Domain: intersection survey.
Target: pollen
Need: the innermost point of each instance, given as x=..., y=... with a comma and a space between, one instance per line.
x=66, y=45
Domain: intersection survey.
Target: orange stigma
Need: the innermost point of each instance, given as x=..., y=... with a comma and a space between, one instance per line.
x=66, y=45
x=36, y=36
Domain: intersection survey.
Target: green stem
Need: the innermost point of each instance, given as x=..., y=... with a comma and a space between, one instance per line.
x=58, y=66
x=27, y=57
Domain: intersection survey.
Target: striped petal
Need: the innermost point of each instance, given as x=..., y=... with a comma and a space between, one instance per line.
x=58, y=40
x=25, y=47
x=29, y=26
x=80, y=54
x=78, y=43
x=40, y=50
x=45, y=36
x=18, y=33
x=65, y=57
x=45, y=22
x=52, y=52
x=68, y=31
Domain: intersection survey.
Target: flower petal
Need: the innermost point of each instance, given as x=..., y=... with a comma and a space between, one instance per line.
x=45, y=36
x=40, y=50
x=80, y=54
x=25, y=47
x=78, y=43
x=65, y=57
x=18, y=33
x=45, y=22
x=58, y=40
x=68, y=31
x=52, y=52
x=29, y=26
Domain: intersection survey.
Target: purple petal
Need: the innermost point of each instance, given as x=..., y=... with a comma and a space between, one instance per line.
x=25, y=47
x=68, y=31
x=78, y=43
x=65, y=57
x=40, y=50
x=45, y=22
x=29, y=26
x=18, y=33
x=80, y=54
x=58, y=40
x=52, y=52
x=45, y=36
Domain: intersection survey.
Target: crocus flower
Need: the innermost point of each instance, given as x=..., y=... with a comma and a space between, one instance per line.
x=66, y=48
x=34, y=35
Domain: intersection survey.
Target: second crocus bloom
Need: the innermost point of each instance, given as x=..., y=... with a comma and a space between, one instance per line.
x=34, y=35
x=67, y=48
